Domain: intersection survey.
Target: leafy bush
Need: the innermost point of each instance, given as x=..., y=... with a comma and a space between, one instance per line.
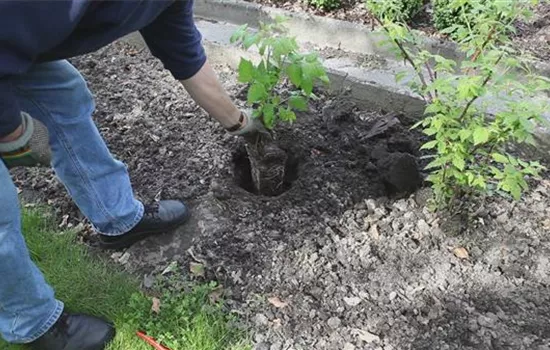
x=280, y=61
x=469, y=140
x=397, y=10
x=457, y=17
x=325, y=4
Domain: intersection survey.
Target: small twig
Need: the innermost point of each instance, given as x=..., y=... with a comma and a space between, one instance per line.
x=432, y=74
x=408, y=58
x=485, y=82
x=480, y=50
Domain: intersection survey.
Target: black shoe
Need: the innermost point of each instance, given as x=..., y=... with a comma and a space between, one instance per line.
x=76, y=332
x=161, y=217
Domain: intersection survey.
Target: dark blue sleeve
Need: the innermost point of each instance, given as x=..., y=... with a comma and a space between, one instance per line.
x=174, y=39
x=26, y=29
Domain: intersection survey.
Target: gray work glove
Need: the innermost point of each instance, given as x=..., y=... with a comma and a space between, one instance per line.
x=31, y=149
x=252, y=128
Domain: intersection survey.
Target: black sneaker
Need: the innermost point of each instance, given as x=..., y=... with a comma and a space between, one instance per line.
x=76, y=332
x=160, y=217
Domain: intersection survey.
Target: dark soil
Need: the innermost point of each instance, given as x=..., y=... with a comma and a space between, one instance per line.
x=352, y=259
x=533, y=36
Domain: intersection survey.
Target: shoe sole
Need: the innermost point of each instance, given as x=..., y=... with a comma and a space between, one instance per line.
x=133, y=239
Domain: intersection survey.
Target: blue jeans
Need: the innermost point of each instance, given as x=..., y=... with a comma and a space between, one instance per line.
x=56, y=94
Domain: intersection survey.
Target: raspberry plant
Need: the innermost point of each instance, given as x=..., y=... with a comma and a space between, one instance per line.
x=280, y=61
x=470, y=144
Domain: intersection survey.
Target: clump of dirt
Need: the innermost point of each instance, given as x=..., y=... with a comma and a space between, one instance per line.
x=342, y=259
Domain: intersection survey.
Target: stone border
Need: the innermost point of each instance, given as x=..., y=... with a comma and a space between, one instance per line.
x=323, y=31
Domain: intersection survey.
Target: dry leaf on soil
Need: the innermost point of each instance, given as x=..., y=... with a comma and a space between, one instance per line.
x=461, y=253
x=278, y=303
x=196, y=269
x=216, y=294
x=156, y=305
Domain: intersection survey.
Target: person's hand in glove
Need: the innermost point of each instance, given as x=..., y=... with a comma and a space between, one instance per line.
x=252, y=129
x=30, y=149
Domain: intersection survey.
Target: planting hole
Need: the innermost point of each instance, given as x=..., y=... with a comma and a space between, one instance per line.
x=243, y=174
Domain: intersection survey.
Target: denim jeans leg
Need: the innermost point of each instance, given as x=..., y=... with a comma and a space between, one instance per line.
x=28, y=307
x=56, y=94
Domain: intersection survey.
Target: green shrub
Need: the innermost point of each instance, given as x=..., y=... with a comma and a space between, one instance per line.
x=470, y=140
x=325, y=4
x=280, y=61
x=397, y=10
x=447, y=13
x=458, y=17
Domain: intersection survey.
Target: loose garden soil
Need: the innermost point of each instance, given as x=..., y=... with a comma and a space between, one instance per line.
x=532, y=36
x=347, y=258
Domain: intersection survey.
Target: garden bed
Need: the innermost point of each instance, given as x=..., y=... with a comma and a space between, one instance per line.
x=341, y=260
x=533, y=37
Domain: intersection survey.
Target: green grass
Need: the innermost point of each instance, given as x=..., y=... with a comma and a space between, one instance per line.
x=187, y=320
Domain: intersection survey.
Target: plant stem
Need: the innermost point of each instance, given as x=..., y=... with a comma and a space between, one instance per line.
x=480, y=50
x=408, y=58
x=433, y=76
x=485, y=82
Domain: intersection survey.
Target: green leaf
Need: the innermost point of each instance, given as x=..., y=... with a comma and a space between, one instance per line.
x=307, y=86
x=500, y=158
x=481, y=135
x=283, y=46
x=429, y=145
x=480, y=182
x=287, y=115
x=312, y=57
x=433, y=108
x=435, y=164
x=256, y=93
x=430, y=131
x=239, y=33
x=464, y=134
x=400, y=76
x=250, y=40
x=311, y=71
x=459, y=162
x=294, y=72
x=246, y=71
x=298, y=102
x=513, y=160
x=515, y=191
x=268, y=113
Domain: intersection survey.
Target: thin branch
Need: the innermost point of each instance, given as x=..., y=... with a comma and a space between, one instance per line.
x=432, y=74
x=408, y=58
x=480, y=50
x=485, y=82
